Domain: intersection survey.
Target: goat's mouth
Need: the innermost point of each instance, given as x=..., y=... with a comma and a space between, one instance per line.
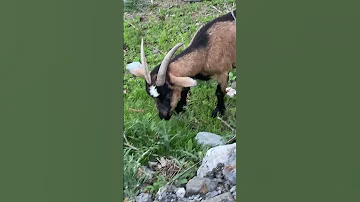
x=165, y=117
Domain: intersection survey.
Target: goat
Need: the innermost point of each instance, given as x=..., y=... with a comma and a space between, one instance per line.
x=210, y=55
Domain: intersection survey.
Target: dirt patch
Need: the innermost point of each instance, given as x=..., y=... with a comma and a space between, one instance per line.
x=151, y=9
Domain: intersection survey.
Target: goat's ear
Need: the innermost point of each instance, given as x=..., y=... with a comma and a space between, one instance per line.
x=136, y=69
x=182, y=81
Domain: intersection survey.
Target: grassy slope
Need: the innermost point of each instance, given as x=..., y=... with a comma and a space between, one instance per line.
x=163, y=26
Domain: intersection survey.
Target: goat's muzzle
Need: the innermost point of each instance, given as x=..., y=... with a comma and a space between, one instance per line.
x=166, y=116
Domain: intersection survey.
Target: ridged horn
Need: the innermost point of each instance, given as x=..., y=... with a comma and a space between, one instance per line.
x=164, y=65
x=144, y=64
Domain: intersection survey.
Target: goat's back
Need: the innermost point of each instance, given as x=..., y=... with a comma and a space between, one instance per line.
x=221, y=50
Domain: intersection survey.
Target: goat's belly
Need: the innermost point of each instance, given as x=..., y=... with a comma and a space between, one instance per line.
x=202, y=76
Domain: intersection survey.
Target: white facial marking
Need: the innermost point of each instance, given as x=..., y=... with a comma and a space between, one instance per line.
x=153, y=91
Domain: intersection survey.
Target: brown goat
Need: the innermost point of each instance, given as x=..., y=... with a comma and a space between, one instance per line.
x=211, y=55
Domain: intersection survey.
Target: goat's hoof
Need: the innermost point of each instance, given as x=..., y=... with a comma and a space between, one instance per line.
x=216, y=111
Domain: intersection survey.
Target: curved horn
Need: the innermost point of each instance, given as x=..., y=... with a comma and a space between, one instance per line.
x=164, y=65
x=144, y=64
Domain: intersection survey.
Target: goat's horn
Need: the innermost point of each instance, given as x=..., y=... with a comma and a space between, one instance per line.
x=144, y=64
x=164, y=65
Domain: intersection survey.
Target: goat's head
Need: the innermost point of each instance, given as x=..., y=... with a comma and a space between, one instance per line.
x=163, y=86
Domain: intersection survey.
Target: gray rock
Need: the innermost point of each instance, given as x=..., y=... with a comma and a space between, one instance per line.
x=233, y=189
x=183, y=200
x=214, y=156
x=233, y=85
x=210, y=139
x=200, y=185
x=198, y=198
x=169, y=198
x=143, y=197
x=233, y=192
x=230, y=169
x=147, y=173
x=212, y=194
x=225, y=197
x=166, y=193
x=180, y=192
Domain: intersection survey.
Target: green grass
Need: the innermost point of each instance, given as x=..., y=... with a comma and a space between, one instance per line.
x=162, y=26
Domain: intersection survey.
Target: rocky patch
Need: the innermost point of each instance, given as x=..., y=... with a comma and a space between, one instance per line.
x=215, y=180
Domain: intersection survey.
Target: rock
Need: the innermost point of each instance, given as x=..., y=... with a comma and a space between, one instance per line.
x=152, y=165
x=183, y=200
x=200, y=185
x=230, y=92
x=230, y=168
x=128, y=200
x=210, y=139
x=180, y=192
x=143, y=197
x=166, y=193
x=212, y=194
x=214, y=156
x=169, y=198
x=197, y=198
x=149, y=174
x=233, y=189
x=233, y=85
x=225, y=197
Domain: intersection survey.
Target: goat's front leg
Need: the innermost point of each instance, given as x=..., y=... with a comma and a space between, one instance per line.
x=180, y=106
x=220, y=94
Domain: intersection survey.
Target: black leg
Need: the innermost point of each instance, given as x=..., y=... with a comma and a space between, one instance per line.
x=220, y=107
x=179, y=108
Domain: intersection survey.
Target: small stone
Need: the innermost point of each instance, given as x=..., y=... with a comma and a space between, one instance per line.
x=143, y=197
x=212, y=194
x=170, y=198
x=180, y=193
x=220, y=166
x=220, y=176
x=166, y=193
x=143, y=171
x=152, y=165
x=233, y=189
x=210, y=174
x=233, y=85
x=209, y=139
x=227, y=185
x=200, y=185
x=182, y=200
x=225, y=197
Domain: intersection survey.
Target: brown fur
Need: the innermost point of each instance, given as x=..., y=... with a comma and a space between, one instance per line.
x=217, y=58
x=215, y=61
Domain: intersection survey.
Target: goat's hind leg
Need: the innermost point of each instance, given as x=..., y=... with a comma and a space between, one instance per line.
x=180, y=106
x=220, y=94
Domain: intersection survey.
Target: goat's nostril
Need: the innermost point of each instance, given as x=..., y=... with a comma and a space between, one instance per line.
x=161, y=116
